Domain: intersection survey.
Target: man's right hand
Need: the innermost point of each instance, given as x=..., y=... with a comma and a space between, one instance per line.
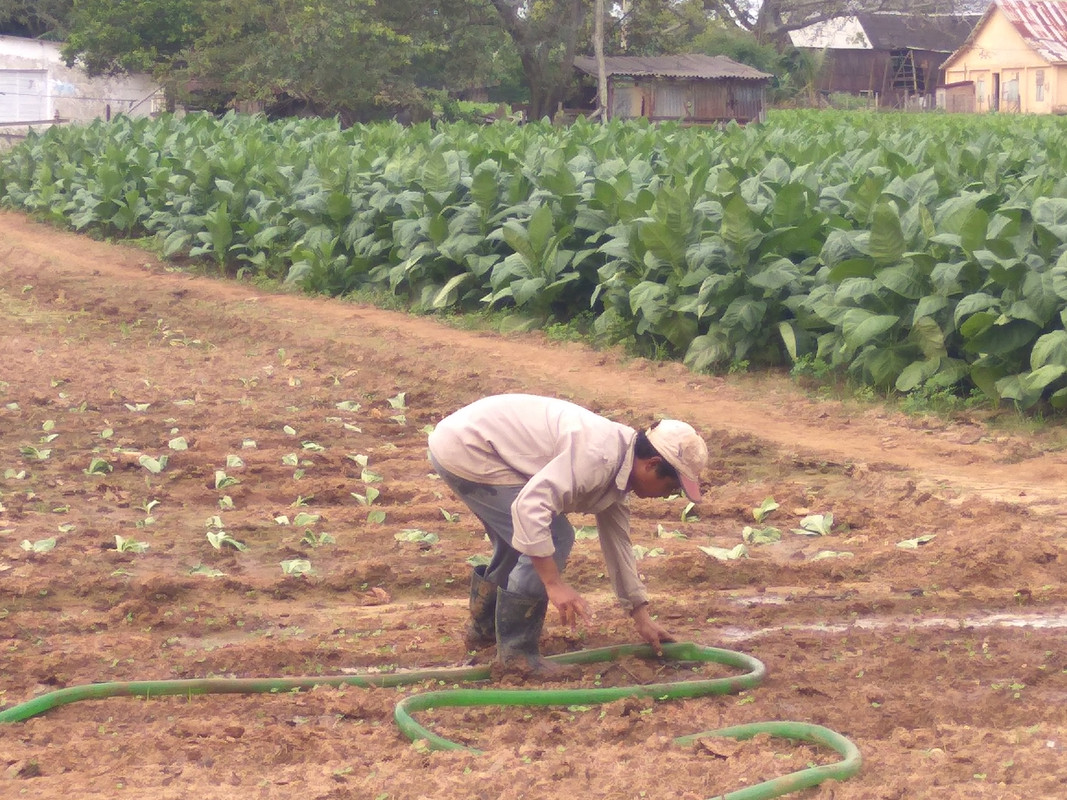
x=571, y=605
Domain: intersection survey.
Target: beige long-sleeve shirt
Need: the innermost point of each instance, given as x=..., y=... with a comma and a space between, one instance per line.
x=566, y=458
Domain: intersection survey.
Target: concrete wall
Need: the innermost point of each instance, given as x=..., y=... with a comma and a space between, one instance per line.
x=1008, y=75
x=34, y=82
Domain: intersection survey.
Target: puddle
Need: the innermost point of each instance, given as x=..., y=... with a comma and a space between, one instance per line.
x=1049, y=621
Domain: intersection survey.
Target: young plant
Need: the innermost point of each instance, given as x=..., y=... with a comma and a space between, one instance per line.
x=220, y=538
x=368, y=498
x=40, y=546
x=815, y=525
x=124, y=545
x=296, y=566
x=153, y=465
x=223, y=481
x=98, y=466
x=764, y=510
x=313, y=539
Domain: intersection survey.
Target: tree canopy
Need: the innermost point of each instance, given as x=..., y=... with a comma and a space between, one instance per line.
x=365, y=58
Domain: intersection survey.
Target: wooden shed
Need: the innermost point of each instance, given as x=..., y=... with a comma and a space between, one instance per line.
x=894, y=59
x=692, y=89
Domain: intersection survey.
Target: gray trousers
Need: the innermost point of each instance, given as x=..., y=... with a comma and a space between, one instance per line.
x=492, y=505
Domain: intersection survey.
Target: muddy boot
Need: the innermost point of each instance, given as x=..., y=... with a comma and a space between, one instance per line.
x=519, y=621
x=481, y=629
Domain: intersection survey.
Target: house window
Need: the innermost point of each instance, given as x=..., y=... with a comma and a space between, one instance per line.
x=979, y=91
x=1039, y=85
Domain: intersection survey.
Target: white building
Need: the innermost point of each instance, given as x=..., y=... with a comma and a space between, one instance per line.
x=38, y=88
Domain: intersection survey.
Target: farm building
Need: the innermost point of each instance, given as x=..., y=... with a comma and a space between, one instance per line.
x=893, y=59
x=693, y=89
x=1015, y=60
x=37, y=87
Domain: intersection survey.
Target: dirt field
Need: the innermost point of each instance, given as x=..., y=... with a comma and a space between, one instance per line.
x=945, y=662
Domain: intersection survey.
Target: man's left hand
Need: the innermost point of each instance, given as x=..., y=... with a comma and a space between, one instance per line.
x=650, y=630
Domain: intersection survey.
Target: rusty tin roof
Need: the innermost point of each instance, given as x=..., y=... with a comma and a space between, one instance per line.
x=680, y=66
x=1041, y=23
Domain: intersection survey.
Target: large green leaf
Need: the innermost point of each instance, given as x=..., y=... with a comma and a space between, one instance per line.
x=860, y=327
x=886, y=243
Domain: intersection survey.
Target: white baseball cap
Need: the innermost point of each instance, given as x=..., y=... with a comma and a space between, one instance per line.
x=683, y=448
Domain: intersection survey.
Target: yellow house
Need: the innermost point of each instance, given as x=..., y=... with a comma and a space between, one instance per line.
x=1015, y=60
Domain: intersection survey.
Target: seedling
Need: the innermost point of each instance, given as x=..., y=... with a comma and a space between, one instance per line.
x=223, y=481
x=585, y=532
x=302, y=501
x=689, y=513
x=369, y=476
x=226, y=502
x=313, y=539
x=304, y=518
x=219, y=538
x=359, y=458
x=478, y=560
x=348, y=405
x=29, y=451
x=153, y=465
x=178, y=443
x=40, y=546
x=815, y=525
x=831, y=554
x=724, y=554
x=98, y=466
x=313, y=447
x=377, y=516
x=663, y=533
x=400, y=401
x=765, y=509
x=290, y=460
x=296, y=566
x=415, y=535
x=234, y=462
x=148, y=505
x=289, y=430
x=138, y=406
x=766, y=535
x=918, y=541
x=449, y=516
x=368, y=498
x=640, y=551
x=124, y=545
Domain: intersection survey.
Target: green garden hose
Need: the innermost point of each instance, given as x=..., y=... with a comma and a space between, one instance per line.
x=688, y=651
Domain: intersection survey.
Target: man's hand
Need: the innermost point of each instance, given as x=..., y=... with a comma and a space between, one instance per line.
x=571, y=605
x=650, y=630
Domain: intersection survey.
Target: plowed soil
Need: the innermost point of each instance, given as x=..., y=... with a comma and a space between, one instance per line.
x=944, y=662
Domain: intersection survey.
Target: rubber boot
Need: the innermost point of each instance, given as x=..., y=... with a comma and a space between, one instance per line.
x=519, y=621
x=481, y=629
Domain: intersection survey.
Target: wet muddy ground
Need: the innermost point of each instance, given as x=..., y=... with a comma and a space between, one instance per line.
x=280, y=416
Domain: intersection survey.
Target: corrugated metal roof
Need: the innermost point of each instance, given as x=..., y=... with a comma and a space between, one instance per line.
x=938, y=33
x=1042, y=23
x=681, y=66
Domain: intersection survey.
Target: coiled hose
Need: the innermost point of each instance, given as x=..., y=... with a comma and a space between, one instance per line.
x=687, y=651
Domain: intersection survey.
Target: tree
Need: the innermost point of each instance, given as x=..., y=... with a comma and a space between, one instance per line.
x=113, y=36
x=545, y=34
x=35, y=18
